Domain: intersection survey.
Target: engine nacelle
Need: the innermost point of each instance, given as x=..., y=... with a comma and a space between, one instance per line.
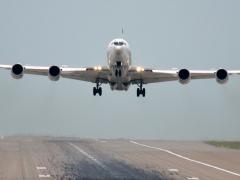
x=184, y=76
x=54, y=73
x=221, y=76
x=17, y=71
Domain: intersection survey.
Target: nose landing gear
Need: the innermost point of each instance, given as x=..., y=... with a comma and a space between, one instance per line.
x=141, y=90
x=97, y=89
x=118, y=70
x=118, y=73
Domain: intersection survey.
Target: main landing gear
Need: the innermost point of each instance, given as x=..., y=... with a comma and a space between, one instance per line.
x=97, y=90
x=141, y=90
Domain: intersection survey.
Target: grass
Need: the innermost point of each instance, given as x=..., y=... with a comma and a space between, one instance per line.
x=225, y=144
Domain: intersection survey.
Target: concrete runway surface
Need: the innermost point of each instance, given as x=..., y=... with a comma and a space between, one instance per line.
x=75, y=158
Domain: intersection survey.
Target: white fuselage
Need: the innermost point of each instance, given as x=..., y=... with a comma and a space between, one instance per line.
x=119, y=61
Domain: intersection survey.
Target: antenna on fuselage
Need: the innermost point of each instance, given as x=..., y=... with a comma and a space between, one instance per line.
x=122, y=32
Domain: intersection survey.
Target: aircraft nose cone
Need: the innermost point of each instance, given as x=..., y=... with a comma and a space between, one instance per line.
x=118, y=49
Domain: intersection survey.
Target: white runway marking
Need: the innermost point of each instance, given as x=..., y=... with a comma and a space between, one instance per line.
x=193, y=178
x=88, y=155
x=102, y=141
x=188, y=159
x=173, y=170
x=44, y=176
x=41, y=168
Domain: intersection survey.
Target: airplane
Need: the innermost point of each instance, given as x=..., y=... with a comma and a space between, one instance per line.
x=119, y=73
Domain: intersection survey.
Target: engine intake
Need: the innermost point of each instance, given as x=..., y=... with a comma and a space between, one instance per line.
x=221, y=76
x=54, y=73
x=184, y=76
x=17, y=71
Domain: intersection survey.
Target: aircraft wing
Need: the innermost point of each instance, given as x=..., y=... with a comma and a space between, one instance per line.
x=146, y=76
x=37, y=70
x=137, y=74
x=90, y=74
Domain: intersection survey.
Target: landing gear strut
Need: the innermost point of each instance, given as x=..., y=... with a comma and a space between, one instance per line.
x=141, y=90
x=97, y=89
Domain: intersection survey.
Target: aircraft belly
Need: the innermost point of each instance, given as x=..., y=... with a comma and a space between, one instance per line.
x=120, y=84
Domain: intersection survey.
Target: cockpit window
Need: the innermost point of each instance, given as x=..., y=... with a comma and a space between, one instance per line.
x=120, y=43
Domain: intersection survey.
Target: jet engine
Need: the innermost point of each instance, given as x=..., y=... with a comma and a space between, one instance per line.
x=221, y=76
x=184, y=76
x=17, y=71
x=54, y=73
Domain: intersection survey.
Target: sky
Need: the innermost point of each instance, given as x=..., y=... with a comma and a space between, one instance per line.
x=199, y=34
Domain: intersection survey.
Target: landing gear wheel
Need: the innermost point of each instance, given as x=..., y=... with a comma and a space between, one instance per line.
x=119, y=73
x=100, y=91
x=138, y=92
x=143, y=92
x=97, y=90
x=94, y=91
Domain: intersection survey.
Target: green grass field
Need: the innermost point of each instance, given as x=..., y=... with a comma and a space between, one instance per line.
x=225, y=144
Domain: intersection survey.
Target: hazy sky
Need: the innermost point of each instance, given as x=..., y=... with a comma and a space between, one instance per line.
x=201, y=34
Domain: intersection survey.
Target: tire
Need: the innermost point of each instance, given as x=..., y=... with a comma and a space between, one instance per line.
x=94, y=91
x=143, y=92
x=119, y=73
x=100, y=91
x=138, y=92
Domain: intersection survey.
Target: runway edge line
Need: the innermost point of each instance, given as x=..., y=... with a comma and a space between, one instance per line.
x=186, y=158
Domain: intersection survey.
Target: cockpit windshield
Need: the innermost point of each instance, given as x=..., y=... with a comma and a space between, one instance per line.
x=119, y=43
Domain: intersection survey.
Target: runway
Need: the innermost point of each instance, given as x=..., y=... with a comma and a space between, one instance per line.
x=75, y=158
